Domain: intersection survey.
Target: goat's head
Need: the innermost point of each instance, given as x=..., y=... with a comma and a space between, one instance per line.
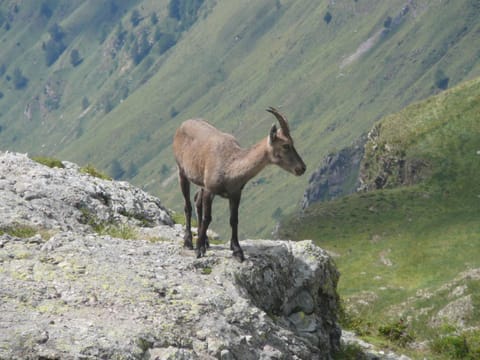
x=281, y=149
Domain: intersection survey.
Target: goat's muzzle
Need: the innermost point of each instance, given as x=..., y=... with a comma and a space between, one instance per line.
x=299, y=170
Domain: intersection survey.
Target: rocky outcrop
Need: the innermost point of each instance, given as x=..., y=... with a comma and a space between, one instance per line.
x=69, y=293
x=386, y=165
x=337, y=176
x=69, y=199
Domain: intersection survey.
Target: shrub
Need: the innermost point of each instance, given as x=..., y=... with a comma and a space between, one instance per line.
x=441, y=80
x=388, y=22
x=75, y=58
x=85, y=103
x=154, y=18
x=19, y=231
x=53, y=50
x=46, y=11
x=135, y=18
x=90, y=170
x=50, y=162
x=140, y=48
x=454, y=346
x=328, y=17
x=19, y=80
x=397, y=332
x=56, y=32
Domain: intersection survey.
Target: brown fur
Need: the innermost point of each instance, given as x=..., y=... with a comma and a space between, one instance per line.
x=215, y=161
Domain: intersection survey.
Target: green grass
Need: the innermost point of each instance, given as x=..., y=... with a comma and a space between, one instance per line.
x=20, y=231
x=120, y=231
x=392, y=243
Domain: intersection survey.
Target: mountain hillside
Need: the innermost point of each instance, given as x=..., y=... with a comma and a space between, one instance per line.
x=407, y=245
x=107, y=83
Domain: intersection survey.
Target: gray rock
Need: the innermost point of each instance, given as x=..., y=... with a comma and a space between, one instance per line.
x=337, y=176
x=71, y=293
x=88, y=295
x=67, y=199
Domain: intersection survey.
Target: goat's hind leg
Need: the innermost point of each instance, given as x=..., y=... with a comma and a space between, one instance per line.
x=207, y=199
x=185, y=186
x=197, y=198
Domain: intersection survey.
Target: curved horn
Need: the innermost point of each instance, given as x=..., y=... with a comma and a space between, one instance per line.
x=281, y=119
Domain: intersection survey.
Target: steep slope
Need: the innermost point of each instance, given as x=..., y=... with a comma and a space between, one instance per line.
x=333, y=77
x=405, y=246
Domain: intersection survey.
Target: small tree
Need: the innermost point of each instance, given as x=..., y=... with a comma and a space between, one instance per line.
x=154, y=18
x=45, y=10
x=441, y=80
x=388, y=22
x=85, y=103
x=53, y=50
x=19, y=80
x=328, y=17
x=56, y=32
x=135, y=17
x=75, y=58
x=174, y=9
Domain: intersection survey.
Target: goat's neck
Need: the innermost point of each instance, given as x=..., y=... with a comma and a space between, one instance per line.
x=250, y=162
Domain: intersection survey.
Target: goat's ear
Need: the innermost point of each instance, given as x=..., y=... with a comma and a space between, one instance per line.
x=273, y=134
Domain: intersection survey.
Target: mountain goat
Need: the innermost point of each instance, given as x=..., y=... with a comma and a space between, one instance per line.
x=215, y=162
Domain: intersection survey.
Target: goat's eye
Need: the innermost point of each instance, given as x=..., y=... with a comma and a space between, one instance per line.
x=286, y=147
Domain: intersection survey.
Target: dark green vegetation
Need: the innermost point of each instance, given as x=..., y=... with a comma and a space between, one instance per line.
x=107, y=82
x=407, y=253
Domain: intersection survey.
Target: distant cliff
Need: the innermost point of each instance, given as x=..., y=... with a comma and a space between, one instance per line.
x=92, y=268
x=337, y=176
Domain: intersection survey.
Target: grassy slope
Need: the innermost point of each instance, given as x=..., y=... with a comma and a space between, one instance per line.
x=235, y=61
x=429, y=231
x=241, y=67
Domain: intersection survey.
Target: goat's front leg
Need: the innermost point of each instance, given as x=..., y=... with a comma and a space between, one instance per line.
x=207, y=199
x=185, y=186
x=234, y=244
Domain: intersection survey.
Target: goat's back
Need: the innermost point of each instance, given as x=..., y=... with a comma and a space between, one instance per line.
x=201, y=150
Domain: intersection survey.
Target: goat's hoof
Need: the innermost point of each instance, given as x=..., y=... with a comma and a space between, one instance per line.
x=238, y=254
x=188, y=245
x=201, y=252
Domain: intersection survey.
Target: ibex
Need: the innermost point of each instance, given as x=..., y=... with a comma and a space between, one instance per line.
x=215, y=161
